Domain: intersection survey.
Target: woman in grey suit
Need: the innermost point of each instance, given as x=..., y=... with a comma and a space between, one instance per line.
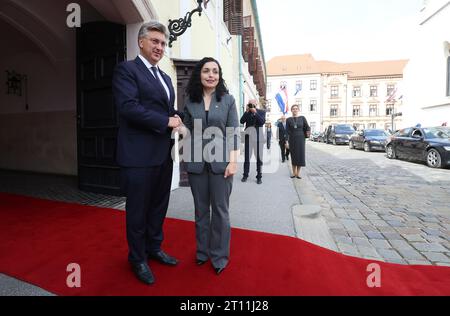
x=210, y=152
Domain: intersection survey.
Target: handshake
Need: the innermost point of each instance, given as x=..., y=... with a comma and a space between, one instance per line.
x=176, y=124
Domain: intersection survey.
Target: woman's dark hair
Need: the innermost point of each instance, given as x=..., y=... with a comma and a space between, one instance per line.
x=194, y=88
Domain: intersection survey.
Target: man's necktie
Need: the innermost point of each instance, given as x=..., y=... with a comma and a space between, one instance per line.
x=155, y=72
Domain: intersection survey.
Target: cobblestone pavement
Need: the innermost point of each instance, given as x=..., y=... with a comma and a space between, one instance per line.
x=390, y=210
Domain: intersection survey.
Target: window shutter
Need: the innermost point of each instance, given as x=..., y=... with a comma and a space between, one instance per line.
x=233, y=16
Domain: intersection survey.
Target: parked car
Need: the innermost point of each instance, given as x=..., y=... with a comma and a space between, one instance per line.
x=339, y=134
x=369, y=139
x=314, y=136
x=321, y=138
x=430, y=145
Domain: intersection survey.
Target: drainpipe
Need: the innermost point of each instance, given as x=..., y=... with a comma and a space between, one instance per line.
x=241, y=81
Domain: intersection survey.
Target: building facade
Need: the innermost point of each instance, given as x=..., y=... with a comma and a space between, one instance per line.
x=56, y=112
x=364, y=95
x=427, y=76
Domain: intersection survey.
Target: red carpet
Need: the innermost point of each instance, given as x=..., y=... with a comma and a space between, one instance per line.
x=39, y=238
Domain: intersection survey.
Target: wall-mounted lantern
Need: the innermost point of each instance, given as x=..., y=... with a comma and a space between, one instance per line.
x=179, y=26
x=14, y=84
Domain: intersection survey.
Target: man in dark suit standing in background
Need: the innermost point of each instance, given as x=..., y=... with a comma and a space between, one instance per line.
x=282, y=136
x=254, y=120
x=144, y=97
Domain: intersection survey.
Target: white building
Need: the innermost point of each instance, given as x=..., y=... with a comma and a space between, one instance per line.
x=427, y=76
x=363, y=94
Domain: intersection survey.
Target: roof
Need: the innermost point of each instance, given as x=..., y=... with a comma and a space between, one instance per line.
x=306, y=64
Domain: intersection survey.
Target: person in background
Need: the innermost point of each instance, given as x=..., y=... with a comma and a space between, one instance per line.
x=282, y=137
x=254, y=119
x=298, y=130
x=269, y=134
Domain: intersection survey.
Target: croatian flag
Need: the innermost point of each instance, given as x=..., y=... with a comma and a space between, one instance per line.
x=282, y=99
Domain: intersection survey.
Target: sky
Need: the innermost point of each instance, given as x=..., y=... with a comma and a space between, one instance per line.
x=339, y=30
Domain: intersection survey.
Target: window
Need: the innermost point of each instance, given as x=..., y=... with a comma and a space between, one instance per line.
x=334, y=92
x=390, y=89
x=373, y=110
x=373, y=91
x=313, y=106
x=356, y=110
x=298, y=101
x=334, y=110
x=313, y=85
x=298, y=86
x=448, y=76
x=372, y=125
x=389, y=109
x=356, y=92
x=404, y=132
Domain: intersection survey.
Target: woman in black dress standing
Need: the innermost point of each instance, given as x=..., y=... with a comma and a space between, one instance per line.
x=297, y=129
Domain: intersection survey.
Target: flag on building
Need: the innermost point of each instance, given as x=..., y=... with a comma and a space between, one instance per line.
x=282, y=99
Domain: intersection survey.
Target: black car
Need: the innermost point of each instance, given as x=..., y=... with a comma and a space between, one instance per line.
x=369, y=139
x=339, y=134
x=430, y=145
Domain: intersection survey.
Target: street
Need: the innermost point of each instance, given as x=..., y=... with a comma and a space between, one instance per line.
x=391, y=210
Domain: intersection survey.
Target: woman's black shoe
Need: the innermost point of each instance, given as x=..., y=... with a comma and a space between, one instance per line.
x=219, y=270
x=292, y=177
x=200, y=262
x=298, y=177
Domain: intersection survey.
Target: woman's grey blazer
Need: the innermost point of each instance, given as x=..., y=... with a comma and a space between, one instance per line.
x=213, y=141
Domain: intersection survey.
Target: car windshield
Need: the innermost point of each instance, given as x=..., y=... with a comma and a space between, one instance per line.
x=344, y=129
x=437, y=132
x=376, y=132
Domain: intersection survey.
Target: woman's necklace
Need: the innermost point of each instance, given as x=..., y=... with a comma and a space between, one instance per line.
x=295, y=121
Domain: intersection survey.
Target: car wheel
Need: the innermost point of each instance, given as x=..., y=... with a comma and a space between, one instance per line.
x=350, y=145
x=390, y=152
x=367, y=147
x=434, y=159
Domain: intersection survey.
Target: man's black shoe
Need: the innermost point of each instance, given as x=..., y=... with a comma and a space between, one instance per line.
x=259, y=181
x=143, y=272
x=164, y=258
x=244, y=179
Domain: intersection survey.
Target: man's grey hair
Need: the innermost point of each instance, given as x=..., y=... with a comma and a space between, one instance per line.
x=153, y=26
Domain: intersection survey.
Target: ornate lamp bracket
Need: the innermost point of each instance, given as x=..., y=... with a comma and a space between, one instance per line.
x=179, y=26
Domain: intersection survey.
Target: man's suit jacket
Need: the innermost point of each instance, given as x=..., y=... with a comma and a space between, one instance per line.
x=144, y=139
x=282, y=133
x=222, y=134
x=256, y=121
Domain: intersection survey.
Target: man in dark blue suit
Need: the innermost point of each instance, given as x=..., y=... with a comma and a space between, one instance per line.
x=144, y=97
x=283, y=138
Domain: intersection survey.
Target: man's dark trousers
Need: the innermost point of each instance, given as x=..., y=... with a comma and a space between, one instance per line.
x=145, y=217
x=253, y=147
